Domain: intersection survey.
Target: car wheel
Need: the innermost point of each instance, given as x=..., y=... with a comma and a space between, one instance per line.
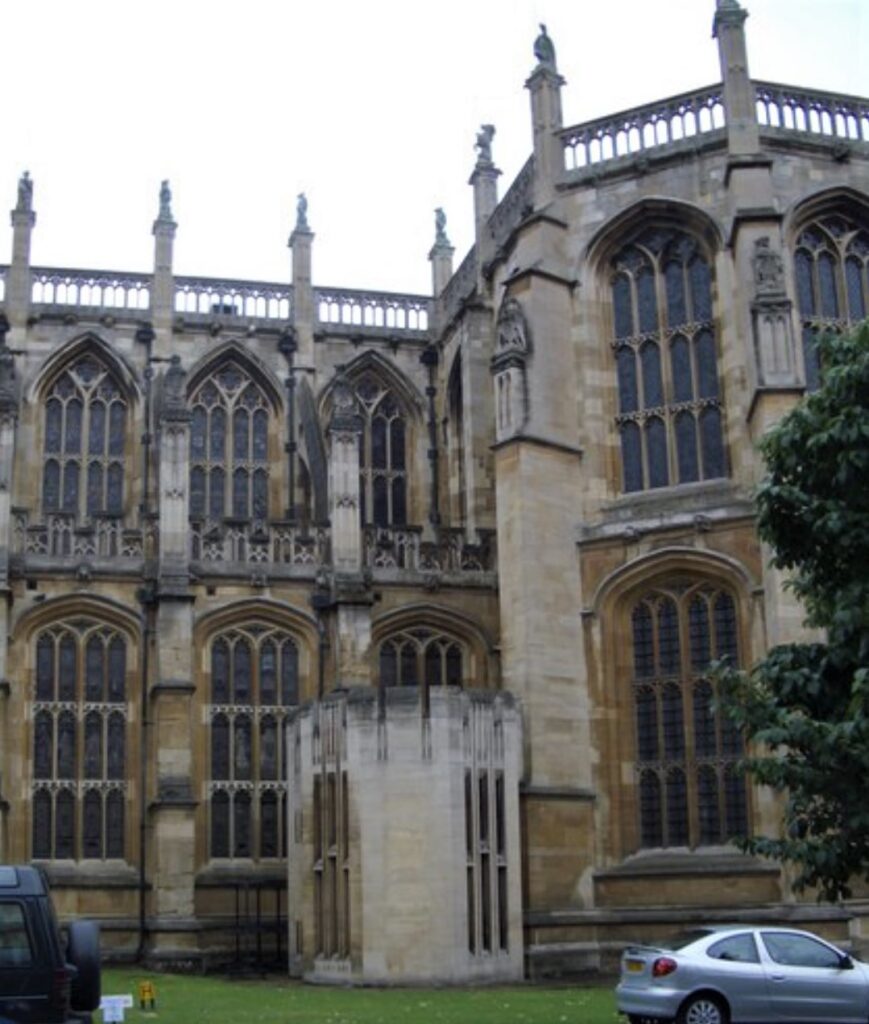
x=83, y=952
x=702, y=1009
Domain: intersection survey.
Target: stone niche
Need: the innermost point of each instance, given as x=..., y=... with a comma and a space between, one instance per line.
x=404, y=855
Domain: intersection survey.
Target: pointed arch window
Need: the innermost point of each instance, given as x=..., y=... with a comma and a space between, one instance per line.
x=79, y=761
x=690, y=791
x=831, y=264
x=84, y=442
x=254, y=683
x=383, y=469
x=229, y=459
x=669, y=403
x=422, y=657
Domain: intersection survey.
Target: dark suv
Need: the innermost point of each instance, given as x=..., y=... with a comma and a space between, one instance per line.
x=41, y=980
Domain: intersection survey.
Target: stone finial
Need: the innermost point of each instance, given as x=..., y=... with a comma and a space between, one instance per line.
x=483, y=145
x=728, y=12
x=25, y=194
x=441, y=227
x=544, y=49
x=165, y=214
x=302, y=212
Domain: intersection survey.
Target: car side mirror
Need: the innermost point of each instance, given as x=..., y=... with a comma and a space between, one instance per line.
x=846, y=963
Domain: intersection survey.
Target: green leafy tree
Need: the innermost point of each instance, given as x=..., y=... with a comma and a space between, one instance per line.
x=805, y=707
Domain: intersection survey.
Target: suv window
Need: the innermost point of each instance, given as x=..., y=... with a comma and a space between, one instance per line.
x=800, y=951
x=15, y=948
x=740, y=948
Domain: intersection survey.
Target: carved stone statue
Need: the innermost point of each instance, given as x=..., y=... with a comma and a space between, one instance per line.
x=769, y=271
x=8, y=382
x=301, y=212
x=484, y=143
x=165, y=201
x=441, y=227
x=544, y=49
x=174, y=405
x=25, y=193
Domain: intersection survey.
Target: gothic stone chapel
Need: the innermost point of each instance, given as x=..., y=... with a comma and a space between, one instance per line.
x=384, y=620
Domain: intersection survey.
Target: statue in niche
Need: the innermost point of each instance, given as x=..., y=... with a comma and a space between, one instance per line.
x=25, y=192
x=8, y=386
x=174, y=387
x=301, y=212
x=544, y=50
x=483, y=144
x=165, y=201
x=769, y=271
x=512, y=329
x=441, y=227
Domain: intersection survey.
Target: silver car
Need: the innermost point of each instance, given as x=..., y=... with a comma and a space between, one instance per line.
x=741, y=974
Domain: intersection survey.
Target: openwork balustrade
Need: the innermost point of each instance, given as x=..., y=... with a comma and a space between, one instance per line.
x=61, y=534
x=652, y=126
x=216, y=298
x=94, y=289
x=461, y=285
x=812, y=112
x=253, y=543
x=386, y=310
x=404, y=548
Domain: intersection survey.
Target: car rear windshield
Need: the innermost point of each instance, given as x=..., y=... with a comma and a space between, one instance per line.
x=684, y=939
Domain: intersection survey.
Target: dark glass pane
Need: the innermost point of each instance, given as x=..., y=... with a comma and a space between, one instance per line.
x=269, y=825
x=240, y=434
x=399, y=504
x=378, y=442
x=396, y=443
x=260, y=494
x=217, y=447
x=260, y=435
x=242, y=825
x=239, y=494
x=197, y=432
x=241, y=760
x=735, y=803
x=268, y=673
x=705, y=740
x=644, y=653
x=680, y=362
x=731, y=738
x=64, y=826
x=656, y=447
x=675, y=282
x=285, y=731
x=197, y=492
x=701, y=291
x=70, y=487
x=647, y=724
x=388, y=665
x=115, y=825
x=42, y=825
x=805, y=292
x=668, y=638
x=653, y=388
x=220, y=825
x=647, y=301
x=827, y=282
x=72, y=444
x=707, y=370
x=117, y=670
x=220, y=747
x=677, y=809
x=93, y=746
x=241, y=673
x=97, y=429
x=116, y=747
x=433, y=675
x=854, y=286
x=699, y=635
x=651, y=832
x=686, y=447
x=725, y=627
x=454, y=665
x=381, y=504
x=219, y=672
x=94, y=669
x=289, y=674
x=408, y=666
x=708, y=812
x=812, y=359
x=53, y=425
x=117, y=428
x=45, y=668
x=632, y=457
x=92, y=826
x=95, y=489
x=216, y=495
x=66, y=745
x=673, y=723
x=622, y=312
x=268, y=751
x=626, y=362
x=43, y=745
x=51, y=486
x=66, y=689
x=712, y=442
x=115, y=497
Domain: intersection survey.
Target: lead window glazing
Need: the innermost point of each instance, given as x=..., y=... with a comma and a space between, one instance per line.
x=383, y=479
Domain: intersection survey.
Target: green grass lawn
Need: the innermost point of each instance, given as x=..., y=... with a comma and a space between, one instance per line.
x=187, y=999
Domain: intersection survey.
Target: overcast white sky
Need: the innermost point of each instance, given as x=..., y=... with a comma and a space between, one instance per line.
x=369, y=106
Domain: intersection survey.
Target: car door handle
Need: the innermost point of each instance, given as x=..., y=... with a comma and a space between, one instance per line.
x=777, y=977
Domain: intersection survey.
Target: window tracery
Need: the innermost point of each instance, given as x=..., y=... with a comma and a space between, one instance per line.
x=79, y=743
x=383, y=483
x=421, y=657
x=690, y=791
x=670, y=411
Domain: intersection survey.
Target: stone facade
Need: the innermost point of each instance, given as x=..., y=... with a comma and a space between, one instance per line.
x=237, y=518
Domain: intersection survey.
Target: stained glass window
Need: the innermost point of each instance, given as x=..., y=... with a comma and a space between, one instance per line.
x=383, y=477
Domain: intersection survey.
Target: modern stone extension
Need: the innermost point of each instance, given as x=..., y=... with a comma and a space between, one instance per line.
x=370, y=630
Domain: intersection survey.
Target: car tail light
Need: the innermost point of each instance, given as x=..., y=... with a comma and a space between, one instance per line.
x=60, y=989
x=663, y=966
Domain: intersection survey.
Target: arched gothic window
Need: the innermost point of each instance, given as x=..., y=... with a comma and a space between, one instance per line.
x=382, y=454
x=670, y=413
x=254, y=682
x=690, y=792
x=229, y=476
x=79, y=743
x=421, y=657
x=84, y=442
x=831, y=263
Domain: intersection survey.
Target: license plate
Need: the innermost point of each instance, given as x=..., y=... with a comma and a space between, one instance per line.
x=634, y=966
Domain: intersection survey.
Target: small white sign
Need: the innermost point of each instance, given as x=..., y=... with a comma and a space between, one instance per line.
x=113, y=1008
